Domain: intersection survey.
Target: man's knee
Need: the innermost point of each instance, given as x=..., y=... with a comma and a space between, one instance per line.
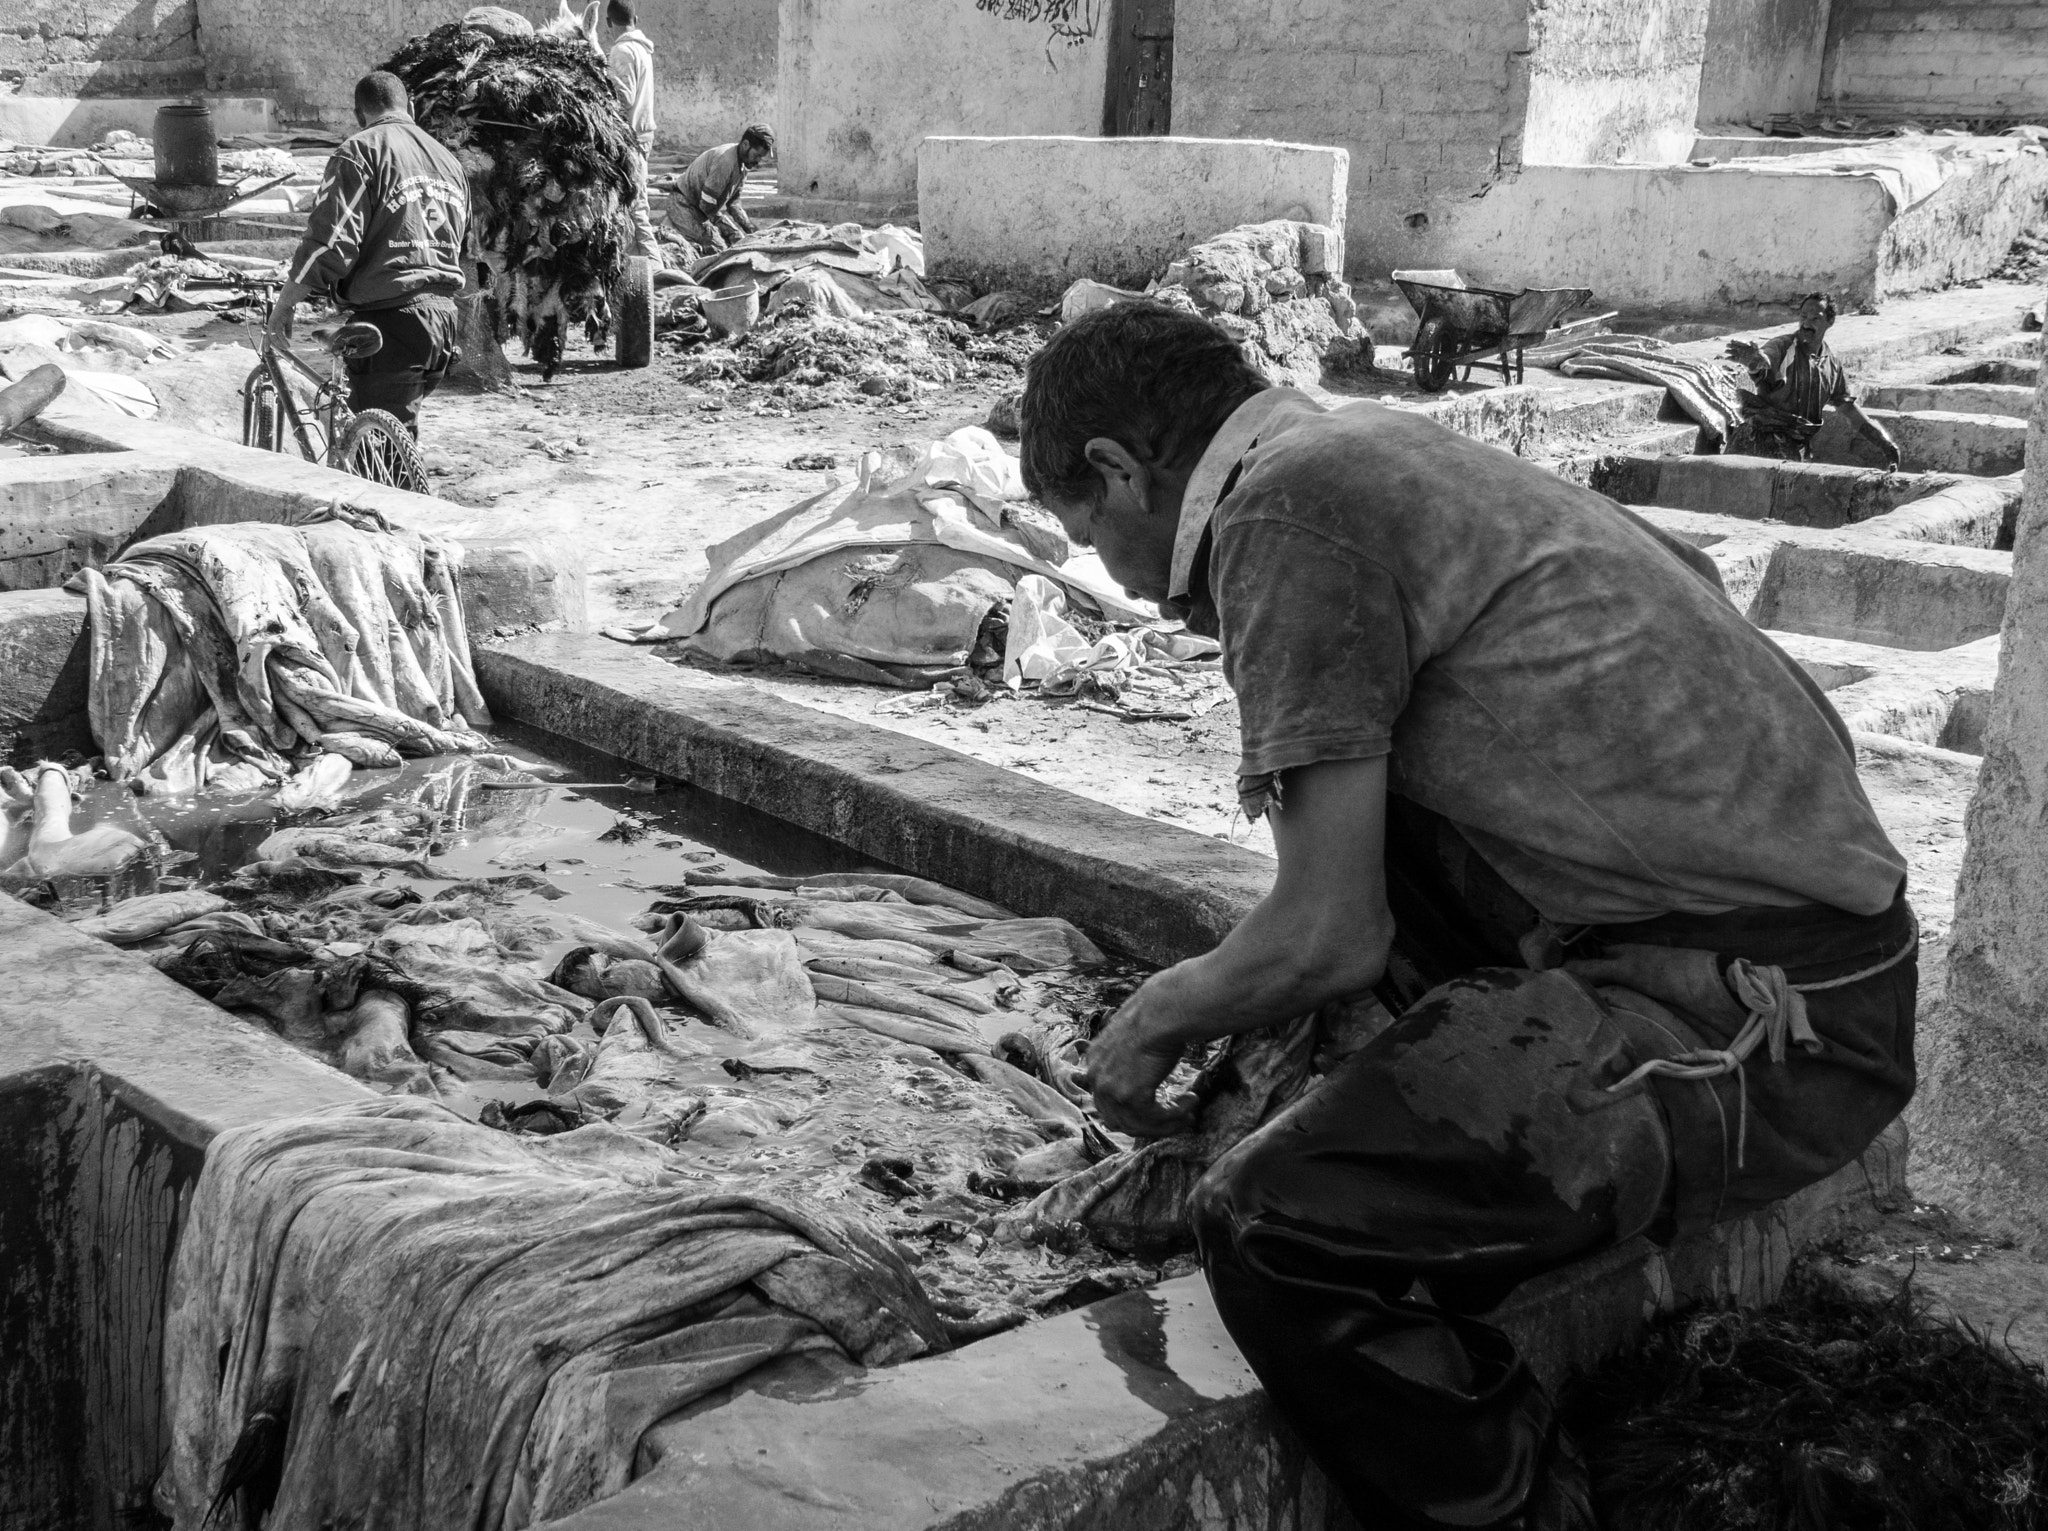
x=1228, y=1199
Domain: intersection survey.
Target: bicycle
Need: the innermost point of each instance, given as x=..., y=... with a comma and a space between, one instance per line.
x=372, y=445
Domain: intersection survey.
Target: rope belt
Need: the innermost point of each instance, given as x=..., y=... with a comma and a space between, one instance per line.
x=1777, y=1014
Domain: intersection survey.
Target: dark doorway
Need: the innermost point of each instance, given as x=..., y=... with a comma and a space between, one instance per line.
x=1139, y=101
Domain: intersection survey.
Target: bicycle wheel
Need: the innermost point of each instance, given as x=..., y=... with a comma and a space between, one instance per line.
x=262, y=416
x=378, y=448
x=633, y=315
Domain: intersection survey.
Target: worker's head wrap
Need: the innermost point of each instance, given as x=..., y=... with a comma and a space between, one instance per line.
x=761, y=136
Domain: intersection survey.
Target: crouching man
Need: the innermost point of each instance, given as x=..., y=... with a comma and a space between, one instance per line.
x=706, y=210
x=384, y=240
x=1597, y=844
x=1796, y=379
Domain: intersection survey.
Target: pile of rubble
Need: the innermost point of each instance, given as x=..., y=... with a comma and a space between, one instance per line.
x=1278, y=289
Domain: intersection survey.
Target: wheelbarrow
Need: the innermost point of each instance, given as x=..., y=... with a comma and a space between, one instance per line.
x=1462, y=325
x=189, y=207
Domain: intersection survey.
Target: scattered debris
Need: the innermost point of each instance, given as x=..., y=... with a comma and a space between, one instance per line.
x=1826, y=1409
x=813, y=462
x=814, y=361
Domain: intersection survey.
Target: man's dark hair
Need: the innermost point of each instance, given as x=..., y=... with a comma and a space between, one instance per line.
x=1821, y=301
x=1160, y=380
x=761, y=136
x=379, y=93
x=620, y=13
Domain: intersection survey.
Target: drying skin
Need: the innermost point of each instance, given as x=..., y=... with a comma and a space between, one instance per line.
x=136, y=920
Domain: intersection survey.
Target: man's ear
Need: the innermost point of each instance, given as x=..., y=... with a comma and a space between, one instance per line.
x=1126, y=478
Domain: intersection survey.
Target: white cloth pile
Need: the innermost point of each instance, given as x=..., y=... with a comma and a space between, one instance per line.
x=899, y=573
x=1143, y=673
x=845, y=271
x=30, y=341
x=228, y=657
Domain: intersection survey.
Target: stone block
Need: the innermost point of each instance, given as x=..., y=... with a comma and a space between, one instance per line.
x=43, y=675
x=517, y=583
x=2008, y=400
x=60, y=514
x=1043, y=212
x=1899, y=594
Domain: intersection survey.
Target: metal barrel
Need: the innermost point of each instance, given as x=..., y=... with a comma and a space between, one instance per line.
x=186, y=154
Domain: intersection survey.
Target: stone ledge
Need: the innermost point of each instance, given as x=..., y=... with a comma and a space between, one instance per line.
x=1136, y=1413
x=1157, y=891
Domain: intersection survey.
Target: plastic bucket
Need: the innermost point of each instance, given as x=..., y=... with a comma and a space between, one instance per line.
x=186, y=154
x=733, y=311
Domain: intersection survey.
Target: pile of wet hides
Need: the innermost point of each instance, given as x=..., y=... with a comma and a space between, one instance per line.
x=1709, y=390
x=388, y=1317
x=844, y=270
x=234, y=658
x=550, y=157
x=1828, y=1409
x=901, y=573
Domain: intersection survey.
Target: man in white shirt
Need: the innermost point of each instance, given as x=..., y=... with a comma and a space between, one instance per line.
x=632, y=66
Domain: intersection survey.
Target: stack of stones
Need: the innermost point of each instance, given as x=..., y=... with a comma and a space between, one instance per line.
x=1278, y=289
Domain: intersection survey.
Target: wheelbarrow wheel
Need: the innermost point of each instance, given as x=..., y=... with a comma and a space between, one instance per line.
x=1432, y=355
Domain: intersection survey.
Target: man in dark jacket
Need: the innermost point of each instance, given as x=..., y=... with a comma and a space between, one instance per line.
x=385, y=243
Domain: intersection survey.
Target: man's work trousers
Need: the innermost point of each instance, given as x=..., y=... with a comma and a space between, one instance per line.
x=418, y=349
x=1353, y=1239
x=643, y=241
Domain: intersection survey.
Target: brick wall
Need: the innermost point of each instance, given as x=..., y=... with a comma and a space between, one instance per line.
x=89, y=47
x=1429, y=98
x=714, y=59
x=1938, y=57
x=1613, y=80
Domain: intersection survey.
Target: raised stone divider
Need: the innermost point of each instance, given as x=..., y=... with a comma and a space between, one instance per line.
x=1984, y=1049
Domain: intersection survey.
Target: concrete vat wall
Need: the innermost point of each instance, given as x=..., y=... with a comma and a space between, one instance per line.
x=81, y=47
x=862, y=82
x=1674, y=238
x=1614, y=80
x=1984, y=1052
x=1010, y=212
x=714, y=62
x=1763, y=57
x=1978, y=58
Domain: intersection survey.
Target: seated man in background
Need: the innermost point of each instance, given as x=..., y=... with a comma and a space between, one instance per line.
x=1797, y=377
x=1596, y=844
x=705, y=209
x=384, y=241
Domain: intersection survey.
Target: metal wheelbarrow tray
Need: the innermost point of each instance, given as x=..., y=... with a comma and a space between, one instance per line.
x=1468, y=324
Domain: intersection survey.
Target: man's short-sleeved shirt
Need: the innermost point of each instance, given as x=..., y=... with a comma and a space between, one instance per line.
x=1567, y=684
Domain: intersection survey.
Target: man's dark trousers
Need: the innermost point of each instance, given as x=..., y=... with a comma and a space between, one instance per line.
x=418, y=349
x=1353, y=1240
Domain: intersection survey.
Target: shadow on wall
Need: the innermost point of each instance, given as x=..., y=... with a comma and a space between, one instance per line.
x=63, y=48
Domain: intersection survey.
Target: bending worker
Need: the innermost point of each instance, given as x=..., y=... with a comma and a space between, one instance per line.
x=1797, y=378
x=632, y=66
x=1534, y=781
x=706, y=209
x=385, y=243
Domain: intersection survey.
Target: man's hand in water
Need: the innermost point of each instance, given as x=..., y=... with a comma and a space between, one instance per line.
x=1321, y=934
x=1130, y=1061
